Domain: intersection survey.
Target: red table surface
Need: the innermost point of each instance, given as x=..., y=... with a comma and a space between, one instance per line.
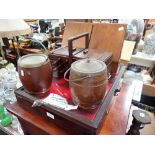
x=61, y=87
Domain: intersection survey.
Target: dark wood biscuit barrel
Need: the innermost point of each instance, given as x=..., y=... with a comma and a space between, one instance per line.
x=35, y=73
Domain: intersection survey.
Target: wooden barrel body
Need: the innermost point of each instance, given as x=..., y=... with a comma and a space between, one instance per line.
x=87, y=82
x=35, y=73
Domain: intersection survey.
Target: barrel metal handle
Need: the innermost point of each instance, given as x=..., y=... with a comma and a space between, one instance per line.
x=74, y=79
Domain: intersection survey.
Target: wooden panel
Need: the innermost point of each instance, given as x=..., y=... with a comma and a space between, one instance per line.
x=149, y=90
x=108, y=37
x=127, y=50
x=76, y=28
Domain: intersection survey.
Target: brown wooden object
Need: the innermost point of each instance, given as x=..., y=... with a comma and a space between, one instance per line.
x=87, y=122
x=103, y=38
x=70, y=44
x=109, y=38
x=35, y=72
x=114, y=123
x=76, y=28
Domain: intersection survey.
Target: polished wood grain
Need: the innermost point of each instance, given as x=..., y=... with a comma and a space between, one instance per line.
x=31, y=123
x=114, y=123
x=76, y=28
x=117, y=118
x=108, y=37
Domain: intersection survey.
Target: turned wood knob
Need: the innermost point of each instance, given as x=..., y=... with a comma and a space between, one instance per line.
x=140, y=118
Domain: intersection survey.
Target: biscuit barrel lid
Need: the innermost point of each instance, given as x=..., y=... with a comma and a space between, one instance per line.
x=32, y=60
x=89, y=66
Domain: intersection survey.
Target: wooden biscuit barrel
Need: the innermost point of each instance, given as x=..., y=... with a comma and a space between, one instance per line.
x=35, y=72
x=87, y=81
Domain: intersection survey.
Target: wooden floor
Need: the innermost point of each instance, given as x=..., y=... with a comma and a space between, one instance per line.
x=148, y=129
